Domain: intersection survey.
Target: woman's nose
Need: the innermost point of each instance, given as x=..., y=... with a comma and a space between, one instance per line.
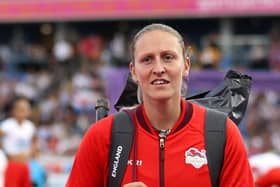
x=158, y=68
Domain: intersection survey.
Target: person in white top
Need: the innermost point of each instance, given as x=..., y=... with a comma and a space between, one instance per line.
x=266, y=168
x=18, y=141
x=18, y=131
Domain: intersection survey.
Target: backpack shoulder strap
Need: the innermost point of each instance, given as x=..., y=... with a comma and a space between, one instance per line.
x=121, y=141
x=215, y=139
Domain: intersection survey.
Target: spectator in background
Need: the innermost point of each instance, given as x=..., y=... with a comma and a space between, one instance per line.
x=258, y=58
x=37, y=171
x=259, y=122
x=210, y=55
x=91, y=48
x=274, y=53
x=18, y=131
x=266, y=169
x=262, y=122
x=18, y=136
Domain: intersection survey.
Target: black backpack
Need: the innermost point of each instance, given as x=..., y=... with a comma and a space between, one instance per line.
x=229, y=99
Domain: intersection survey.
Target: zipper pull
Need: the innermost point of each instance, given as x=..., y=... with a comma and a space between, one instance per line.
x=162, y=135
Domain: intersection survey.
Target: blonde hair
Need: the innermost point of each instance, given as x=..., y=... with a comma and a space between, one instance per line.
x=160, y=27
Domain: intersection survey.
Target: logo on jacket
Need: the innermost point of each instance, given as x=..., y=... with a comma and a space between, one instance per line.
x=195, y=157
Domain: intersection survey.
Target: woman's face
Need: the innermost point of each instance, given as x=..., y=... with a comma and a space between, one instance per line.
x=21, y=110
x=159, y=65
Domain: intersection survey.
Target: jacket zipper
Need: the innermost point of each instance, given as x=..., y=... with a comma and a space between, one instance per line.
x=162, y=136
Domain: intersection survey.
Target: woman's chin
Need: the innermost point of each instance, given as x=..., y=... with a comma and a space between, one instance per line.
x=161, y=97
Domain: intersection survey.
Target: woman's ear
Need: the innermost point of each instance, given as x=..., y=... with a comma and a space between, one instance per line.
x=187, y=67
x=132, y=71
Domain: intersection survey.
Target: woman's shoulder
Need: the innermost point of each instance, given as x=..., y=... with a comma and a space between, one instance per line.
x=8, y=124
x=197, y=108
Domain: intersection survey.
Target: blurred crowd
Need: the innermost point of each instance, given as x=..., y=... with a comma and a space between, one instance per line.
x=61, y=72
x=263, y=137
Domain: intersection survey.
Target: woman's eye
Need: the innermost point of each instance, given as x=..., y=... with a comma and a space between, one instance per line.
x=168, y=57
x=146, y=60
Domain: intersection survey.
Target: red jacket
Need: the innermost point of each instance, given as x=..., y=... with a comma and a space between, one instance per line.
x=185, y=162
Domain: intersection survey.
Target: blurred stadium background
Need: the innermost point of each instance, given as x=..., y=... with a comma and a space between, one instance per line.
x=66, y=54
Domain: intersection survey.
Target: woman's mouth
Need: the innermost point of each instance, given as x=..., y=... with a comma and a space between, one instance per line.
x=159, y=82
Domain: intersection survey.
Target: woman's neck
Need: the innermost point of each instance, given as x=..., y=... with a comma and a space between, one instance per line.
x=163, y=115
x=19, y=120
